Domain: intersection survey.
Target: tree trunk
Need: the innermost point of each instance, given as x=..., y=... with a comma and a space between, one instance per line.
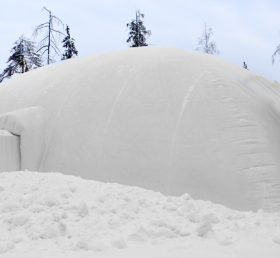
x=49, y=38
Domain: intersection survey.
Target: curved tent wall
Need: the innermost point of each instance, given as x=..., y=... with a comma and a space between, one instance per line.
x=162, y=119
x=9, y=152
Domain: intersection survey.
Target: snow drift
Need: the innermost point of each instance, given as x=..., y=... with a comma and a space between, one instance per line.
x=54, y=215
x=162, y=119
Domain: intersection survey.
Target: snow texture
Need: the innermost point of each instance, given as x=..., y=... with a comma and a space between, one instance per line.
x=54, y=215
x=162, y=119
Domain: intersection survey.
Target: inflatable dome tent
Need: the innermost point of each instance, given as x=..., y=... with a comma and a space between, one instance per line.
x=162, y=119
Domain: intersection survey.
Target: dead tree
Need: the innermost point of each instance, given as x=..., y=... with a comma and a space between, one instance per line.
x=205, y=43
x=49, y=42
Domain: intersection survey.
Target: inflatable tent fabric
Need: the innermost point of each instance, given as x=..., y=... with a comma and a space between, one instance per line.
x=29, y=125
x=162, y=119
x=9, y=151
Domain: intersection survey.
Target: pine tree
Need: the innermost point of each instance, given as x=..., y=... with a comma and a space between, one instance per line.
x=49, y=43
x=205, y=43
x=69, y=44
x=138, y=32
x=23, y=58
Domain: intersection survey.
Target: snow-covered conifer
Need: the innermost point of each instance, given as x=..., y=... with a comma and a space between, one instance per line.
x=69, y=44
x=138, y=33
x=23, y=58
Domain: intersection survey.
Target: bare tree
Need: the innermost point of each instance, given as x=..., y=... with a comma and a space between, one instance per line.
x=276, y=53
x=49, y=42
x=205, y=43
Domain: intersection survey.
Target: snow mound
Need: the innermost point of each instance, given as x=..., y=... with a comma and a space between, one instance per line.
x=66, y=213
x=162, y=119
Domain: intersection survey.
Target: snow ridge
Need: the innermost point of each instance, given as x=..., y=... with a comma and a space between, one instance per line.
x=69, y=213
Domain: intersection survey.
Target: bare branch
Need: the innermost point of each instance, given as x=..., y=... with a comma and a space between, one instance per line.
x=55, y=50
x=53, y=40
x=42, y=26
x=57, y=20
x=44, y=51
x=45, y=38
x=44, y=8
x=54, y=45
x=59, y=32
x=42, y=48
x=39, y=28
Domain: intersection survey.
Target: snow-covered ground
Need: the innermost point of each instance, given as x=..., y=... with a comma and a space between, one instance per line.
x=161, y=119
x=54, y=215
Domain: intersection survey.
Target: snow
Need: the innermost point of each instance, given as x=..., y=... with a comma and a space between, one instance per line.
x=55, y=215
x=161, y=119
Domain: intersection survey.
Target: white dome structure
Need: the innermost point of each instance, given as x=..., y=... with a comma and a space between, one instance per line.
x=162, y=119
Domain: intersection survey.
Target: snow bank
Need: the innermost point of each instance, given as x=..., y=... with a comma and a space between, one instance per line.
x=162, y=119
x=65, y=216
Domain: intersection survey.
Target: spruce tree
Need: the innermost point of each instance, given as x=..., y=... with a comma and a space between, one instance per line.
x=138, y=33
x=23, y=58
x=69, y=44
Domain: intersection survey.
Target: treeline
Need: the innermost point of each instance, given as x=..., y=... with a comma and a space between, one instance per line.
x=27, y=55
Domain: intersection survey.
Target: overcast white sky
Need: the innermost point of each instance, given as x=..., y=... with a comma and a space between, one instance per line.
x=243, y=30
